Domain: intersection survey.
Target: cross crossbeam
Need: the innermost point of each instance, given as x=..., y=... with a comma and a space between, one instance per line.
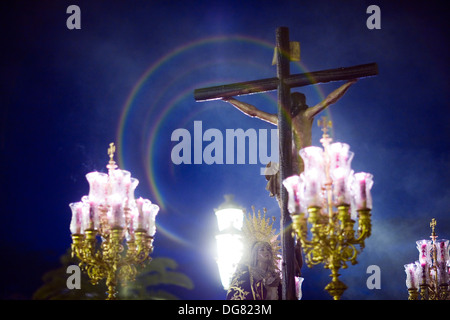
x=293, y=81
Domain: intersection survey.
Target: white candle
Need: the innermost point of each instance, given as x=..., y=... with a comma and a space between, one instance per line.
x=151, y=215
x=79, y=222
x=117, y=217
x=411, y=281
x=362, y=185
x=362, y=192
x=140, y=218
x=292, y=185
x=313, y=188
x=77, y=216
x=339, y=190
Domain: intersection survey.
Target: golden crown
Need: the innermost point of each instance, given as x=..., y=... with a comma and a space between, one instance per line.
x=258, y=228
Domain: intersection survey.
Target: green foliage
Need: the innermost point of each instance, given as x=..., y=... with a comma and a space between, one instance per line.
x=160, y=271
x=150, y=284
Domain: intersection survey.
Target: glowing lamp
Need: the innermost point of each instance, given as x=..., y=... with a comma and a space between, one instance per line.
x=326, y=201
x=429, y=277
x=125, y=226
x=230, y=218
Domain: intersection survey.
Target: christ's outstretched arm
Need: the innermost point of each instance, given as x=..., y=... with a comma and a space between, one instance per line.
x=330, y=99
x=310, y=113
x=252, y=111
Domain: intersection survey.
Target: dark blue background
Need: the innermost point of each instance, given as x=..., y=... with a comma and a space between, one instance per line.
x=65, y=93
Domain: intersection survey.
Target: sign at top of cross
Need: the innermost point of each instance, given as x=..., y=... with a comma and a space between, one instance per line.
x=294, y=80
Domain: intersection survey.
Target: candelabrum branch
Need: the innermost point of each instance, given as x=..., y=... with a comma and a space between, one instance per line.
x=110, y=214
x=109, y=260
x=332, y=240
x=413, y=294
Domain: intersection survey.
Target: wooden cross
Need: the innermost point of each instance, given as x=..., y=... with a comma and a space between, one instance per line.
x=283, y=84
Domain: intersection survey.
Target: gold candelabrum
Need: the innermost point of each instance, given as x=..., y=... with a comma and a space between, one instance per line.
x=112, y=232
x=429, y=277
x=326, y=201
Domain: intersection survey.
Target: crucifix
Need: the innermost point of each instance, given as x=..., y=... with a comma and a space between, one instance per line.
x=289, y=108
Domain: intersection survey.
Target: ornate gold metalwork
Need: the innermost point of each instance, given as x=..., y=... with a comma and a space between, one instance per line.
x=430, y=287
x=113, y=258
x=331, y=238
x=333, y=241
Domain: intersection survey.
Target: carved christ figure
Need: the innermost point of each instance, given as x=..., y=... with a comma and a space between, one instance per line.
x=302, y=118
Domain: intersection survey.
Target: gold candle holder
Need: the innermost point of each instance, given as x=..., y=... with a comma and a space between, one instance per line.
x=429, y=277
x=333, y=242
x=112, y=234
x=322, y=217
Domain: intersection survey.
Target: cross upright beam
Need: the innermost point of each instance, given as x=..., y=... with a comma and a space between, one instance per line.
x=285, y=152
